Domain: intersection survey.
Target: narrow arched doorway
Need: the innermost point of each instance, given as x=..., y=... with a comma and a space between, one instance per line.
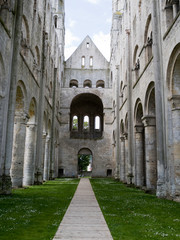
x=85, y=162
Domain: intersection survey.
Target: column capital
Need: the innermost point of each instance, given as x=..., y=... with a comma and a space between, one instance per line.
x=175, y=102
x=149, y=120
x=125, y=135
x=139, y=128
x=122, y=138
x=21, y=117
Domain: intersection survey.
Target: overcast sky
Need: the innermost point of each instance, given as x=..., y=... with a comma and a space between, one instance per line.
x=88, y=17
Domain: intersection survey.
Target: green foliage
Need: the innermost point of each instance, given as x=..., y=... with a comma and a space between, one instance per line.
x=75, y=123
x=133, y=215
x=83, y=162
x=35, y=212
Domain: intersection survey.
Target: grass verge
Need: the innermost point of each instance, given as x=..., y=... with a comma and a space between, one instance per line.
x=35, y=212
x=133, y=215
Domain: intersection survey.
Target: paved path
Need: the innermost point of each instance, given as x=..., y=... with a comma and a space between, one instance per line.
x=83, y=219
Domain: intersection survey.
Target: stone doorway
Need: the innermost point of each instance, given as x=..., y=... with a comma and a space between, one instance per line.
x=85, y=162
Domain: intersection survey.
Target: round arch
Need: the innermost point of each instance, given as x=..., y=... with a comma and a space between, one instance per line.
x=85, y=161
x=84, y=110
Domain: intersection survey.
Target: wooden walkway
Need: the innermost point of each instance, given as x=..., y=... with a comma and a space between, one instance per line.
x=83, y=219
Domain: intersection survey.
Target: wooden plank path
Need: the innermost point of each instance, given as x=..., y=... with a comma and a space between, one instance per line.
x=83, y=218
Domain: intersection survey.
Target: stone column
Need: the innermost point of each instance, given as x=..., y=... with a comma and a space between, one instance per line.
x=176, y=141
x=150, y=151
x=126, y=156
x=46, y=159
x=160, y=100
x=18, y=150
x=117, y=124
x=122, y=161
x=139, y=152
x=29, y=155
x=5, y=184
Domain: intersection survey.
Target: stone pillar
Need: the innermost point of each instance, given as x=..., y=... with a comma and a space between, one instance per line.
x=139, y=152
x=150, y=151
x=18, y=150
x=126, y=156
x=5, y=182
x=122, y=161
x=176, y=141
x=117, y=124
x=29, y=156
x=46, y=159
x=160, y=100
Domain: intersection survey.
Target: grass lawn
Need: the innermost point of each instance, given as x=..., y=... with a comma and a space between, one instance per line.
x=36, y=212
x=133, y=215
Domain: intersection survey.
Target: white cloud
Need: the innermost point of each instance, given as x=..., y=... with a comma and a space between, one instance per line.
x=93, y=1
x=70, y=38
x=102, y=41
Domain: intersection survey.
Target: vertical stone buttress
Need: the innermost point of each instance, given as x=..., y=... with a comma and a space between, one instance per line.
x=117, y=125
x=129, y=100
x=6, y=179
x=39, y=146
x=159, y=95
x=52, y=150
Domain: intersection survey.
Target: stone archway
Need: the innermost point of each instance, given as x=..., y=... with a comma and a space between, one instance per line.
x=149, y=120
x=85, y=162
x=173, y=76
x=139, y=146
x=19, y=136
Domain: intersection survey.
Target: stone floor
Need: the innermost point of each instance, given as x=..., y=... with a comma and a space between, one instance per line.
x=83, y=219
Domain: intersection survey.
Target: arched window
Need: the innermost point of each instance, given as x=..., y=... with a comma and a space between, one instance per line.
x=55, y=21
x=91, y=61
x=100, y=84
x=87, y=84
x=88, y=108
x=86, y=123
x=83, y=61
x=97, y=123
x=73, y=83
x=75, y=123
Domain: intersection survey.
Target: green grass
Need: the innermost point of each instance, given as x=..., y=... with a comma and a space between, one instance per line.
x=36, y=212
x=133, y=215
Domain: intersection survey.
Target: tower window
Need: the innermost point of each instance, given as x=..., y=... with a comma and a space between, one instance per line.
x=55, y=21
x=83, y=61
x=91, y=61
x=97, y=123
x=86, y=123
x=75, y=123
x=87, y=45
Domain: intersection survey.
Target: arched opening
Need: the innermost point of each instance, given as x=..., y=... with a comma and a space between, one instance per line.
x=100, y=84
x=19, y=136
x=87, y=84
x=173, y=80
x=73, y=83
x=85, y=162
x=149, y=120
x=30, y=146
x=148, y=41
x=86, y=117
x=139, y=146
